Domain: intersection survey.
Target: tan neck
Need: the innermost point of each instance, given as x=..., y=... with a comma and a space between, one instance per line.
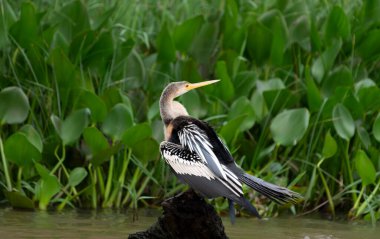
x=170, y=109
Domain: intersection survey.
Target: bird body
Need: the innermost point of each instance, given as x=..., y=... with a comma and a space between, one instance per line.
x=199, y=158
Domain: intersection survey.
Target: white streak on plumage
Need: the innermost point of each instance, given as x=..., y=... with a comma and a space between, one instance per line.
x=192, y=137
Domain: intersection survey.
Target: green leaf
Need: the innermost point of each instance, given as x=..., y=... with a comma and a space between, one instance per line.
x=340, y=77
x=329, y=147
x=228, y=131
x=343, y=122
x=277, y=100
x=259, y=43
x=314, y=98
x=146, y=150
x=95, y=140
x=371, y=11
x=325, y=61
x=104, y=155
x=244, y=82
x=242, y=106
x=300, y=30
x=74, y=19
x=365, y=83
x=65, y=77
x=205, y=41
x=14, y=106
x=365, y=168
x=57, y=123
x=98, y=108
x=193, y=104
x=25, y=30
x=259, y=106
x=48, y=186
x=77, y=175
x=369, y=47
x=337, y=25
x=19, y=200
x=280, y=40
x=165, y=46
x=376, y=128
x=137, y=133
x=289, y=126
x=225, y=88
x=363, y=136
x=185, y=33
x=73, y=126
x=271, y=84
x=19, y=150
x=369, y=98
x=33, y=136
x=117, y=121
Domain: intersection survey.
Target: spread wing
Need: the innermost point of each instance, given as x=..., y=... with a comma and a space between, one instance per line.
x=195, y=140
x=184, y=162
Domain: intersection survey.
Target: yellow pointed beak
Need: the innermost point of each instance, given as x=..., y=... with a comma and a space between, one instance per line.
x=200, y=84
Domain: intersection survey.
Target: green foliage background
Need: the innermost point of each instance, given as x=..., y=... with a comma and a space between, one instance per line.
x=298, y=102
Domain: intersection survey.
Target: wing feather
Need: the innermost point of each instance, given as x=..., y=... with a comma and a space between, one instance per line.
x=196, y=140
x=183, y=161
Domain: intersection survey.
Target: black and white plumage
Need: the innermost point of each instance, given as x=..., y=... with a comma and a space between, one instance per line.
x=199, y=158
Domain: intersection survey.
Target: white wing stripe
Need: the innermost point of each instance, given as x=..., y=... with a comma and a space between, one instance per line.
x=196, y=141
x=181, y=166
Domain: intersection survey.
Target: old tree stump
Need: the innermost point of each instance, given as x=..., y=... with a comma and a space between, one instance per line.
x=185, y=216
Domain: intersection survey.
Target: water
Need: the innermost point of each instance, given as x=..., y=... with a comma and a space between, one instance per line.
x=109, y=224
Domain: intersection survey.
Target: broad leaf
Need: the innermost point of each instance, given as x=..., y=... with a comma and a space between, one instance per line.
x=289, y=126
x=224, y=89
x=95, y=140
x=117, y=121
x=19, y=200
x=228, y=131
x=137, y=133
x=376, y=128
x=146, y=150
x=98, y=108
x=242, y=106
x=343, y=122
x=33, y=136
x=365, y=168
x=77, y=175
x=329, y=147
x=165, y=46
x=47, y=187
x=322, y=65
x=14, y=106
x=73, y=126
x=337, y=25
x=19, y=150
x=363, y=136
x=185, y=33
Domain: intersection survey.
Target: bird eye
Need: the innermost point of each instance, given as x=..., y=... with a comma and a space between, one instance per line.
x=187, y=85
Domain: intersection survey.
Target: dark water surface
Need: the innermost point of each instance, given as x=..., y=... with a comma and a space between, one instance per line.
x=109, y=224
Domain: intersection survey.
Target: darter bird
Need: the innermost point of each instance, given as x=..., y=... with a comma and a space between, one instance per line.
x=198, y=157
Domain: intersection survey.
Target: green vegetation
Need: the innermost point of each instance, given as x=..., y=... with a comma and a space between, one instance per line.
x=298, y=103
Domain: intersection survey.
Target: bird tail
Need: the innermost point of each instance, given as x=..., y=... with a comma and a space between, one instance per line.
x=276, y=193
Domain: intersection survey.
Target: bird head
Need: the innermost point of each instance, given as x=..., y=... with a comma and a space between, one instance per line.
x=182, y=87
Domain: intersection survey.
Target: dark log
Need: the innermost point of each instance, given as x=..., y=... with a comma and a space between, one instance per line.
x=185, y=216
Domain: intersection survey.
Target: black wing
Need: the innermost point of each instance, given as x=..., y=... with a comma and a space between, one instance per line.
x=196, y=140
x=185, y=162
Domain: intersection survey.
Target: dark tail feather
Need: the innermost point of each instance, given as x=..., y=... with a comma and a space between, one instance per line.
x=231, y=211
x=276, y=193
x=247, y=205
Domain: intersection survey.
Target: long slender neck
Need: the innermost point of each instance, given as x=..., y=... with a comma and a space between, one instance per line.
x=170, y=109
